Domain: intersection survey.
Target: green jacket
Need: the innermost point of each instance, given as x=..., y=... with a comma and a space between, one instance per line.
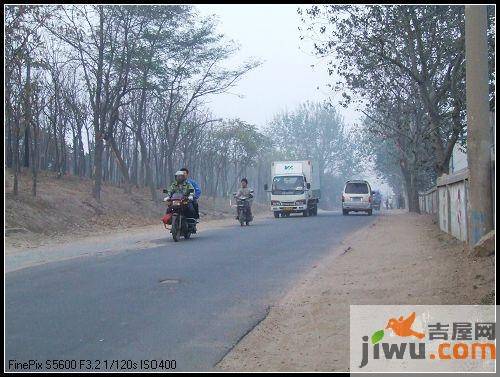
x=183, y=188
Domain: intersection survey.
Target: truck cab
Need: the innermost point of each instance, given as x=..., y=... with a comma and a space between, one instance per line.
x=292, y=190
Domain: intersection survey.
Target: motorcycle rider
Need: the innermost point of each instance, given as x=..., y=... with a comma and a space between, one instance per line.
x=181, y=186
x=245, y=192
x=197, y=192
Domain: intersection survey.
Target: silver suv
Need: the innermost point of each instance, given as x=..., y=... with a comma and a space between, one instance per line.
x=357, y=197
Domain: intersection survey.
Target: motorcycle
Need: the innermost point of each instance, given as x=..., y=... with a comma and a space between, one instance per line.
x=181, y=224
x=243, y=209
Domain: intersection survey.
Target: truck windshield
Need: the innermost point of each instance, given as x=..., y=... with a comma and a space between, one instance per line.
x=356, y=188
x=288, y=184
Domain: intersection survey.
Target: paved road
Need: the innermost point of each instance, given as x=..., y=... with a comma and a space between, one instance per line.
x=114, y=307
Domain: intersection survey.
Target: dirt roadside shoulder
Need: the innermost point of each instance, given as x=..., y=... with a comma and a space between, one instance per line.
x=64, y=211
x=400, y=259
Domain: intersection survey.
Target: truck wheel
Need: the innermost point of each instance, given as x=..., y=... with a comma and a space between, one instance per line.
x=276, y=215
x=345, y=212
x=305, y=213
x=370, y=212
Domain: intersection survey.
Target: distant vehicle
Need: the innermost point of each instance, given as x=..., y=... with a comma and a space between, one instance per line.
x=295, y=188
x=357, y=197
x=376, y=199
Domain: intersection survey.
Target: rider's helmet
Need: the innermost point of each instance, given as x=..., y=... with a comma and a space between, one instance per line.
x=180, y=176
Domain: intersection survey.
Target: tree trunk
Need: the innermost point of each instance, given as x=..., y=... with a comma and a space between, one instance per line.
x=99, y=148
x=27, y=141
x=9, y=139
x=411, y=189
x=8, y=118
x=81, y=153
x=170, y=165
x=55, y=168
x=99, y=144
x=15, y=190
x=147, y=168
x=75, y=155
x=135, y=164
x=34, y=156
x=27, y=114
x=121, y=163
x=91, y=147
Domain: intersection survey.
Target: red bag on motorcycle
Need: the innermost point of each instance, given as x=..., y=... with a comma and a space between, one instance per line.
x=167, y=219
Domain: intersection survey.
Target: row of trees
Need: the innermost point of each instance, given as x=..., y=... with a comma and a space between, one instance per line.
x=117, y=93
x=404, y=68
x=318, y=131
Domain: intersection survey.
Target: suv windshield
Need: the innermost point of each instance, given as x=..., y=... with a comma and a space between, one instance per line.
x=356, y=188
x=288, y=184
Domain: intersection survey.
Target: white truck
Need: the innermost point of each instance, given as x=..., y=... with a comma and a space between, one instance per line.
x=295, y=188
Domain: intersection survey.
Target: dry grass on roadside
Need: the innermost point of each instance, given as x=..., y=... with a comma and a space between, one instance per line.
x=64, y=207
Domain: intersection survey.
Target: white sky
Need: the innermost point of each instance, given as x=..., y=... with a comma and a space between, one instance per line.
x=286, y=78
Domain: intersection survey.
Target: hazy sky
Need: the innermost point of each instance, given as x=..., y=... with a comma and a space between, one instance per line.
x=285, y=79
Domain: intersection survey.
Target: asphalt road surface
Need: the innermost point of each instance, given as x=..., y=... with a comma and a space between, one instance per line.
x=189, y=301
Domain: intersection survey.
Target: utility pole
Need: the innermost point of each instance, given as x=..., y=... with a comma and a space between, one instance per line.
x=478, y=129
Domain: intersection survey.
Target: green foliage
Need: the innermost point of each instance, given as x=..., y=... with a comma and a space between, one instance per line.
x=317, y=131
x=386, y=57
x=241, y=141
